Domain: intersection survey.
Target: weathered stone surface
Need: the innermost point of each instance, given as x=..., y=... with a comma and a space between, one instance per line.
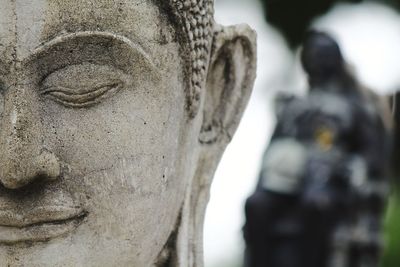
x=114, y=115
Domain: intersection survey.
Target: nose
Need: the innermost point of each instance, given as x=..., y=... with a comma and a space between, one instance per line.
x=23, y=158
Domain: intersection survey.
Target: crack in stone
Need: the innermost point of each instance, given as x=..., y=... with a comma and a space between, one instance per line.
x=15, y=19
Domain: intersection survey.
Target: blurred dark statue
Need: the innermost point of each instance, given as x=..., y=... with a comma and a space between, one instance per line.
x=322, y=188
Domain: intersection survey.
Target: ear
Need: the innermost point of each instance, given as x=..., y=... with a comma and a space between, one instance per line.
x=230, y=80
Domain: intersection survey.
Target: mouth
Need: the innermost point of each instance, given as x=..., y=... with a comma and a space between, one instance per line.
x=38, y=225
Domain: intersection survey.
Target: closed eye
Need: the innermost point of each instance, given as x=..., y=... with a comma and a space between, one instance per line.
x=83, y=85
x=71, y=97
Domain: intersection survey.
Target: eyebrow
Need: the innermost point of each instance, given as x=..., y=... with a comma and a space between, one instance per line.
x=111, y=36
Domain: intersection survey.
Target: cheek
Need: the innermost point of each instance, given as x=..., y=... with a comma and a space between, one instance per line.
x=145, y=198
x=133, y=217
x=135, y=143
x=129, y=154
x=134, y=125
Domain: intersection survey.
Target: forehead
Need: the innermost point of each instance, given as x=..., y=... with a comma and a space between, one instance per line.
x=25, y=25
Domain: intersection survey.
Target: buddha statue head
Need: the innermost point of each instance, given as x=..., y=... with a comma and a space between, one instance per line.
x=113, y=117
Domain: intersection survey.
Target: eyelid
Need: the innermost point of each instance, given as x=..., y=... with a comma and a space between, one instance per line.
x=73, y=91
x=68, y=98
x=83, y=85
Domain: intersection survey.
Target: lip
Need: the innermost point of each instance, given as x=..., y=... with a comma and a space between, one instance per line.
x=39, y=224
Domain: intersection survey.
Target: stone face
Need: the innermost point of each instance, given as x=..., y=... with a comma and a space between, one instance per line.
x=106, y=116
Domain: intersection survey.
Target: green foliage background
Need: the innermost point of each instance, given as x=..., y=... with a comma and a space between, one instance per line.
x=391, y=257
